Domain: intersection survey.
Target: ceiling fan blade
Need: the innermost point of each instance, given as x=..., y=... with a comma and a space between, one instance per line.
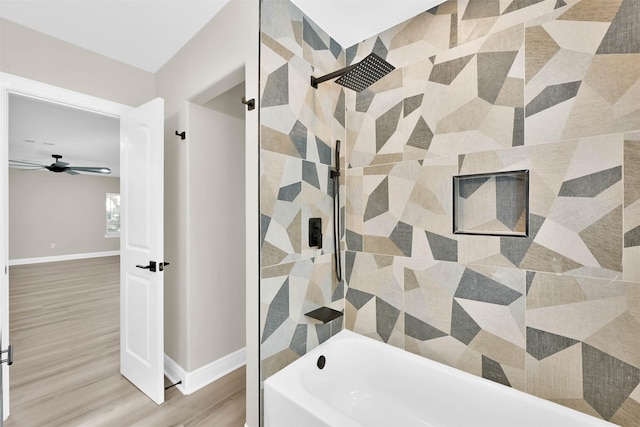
x=103, y=170
x=21, y=163
x=71, y=172
x=33, y=168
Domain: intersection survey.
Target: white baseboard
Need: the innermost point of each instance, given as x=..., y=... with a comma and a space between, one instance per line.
x=201, y=377
x=69, y=257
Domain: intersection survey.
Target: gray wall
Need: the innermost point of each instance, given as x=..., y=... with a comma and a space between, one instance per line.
x=46, y=208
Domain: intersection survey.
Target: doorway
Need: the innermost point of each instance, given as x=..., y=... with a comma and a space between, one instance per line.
x=13, y=85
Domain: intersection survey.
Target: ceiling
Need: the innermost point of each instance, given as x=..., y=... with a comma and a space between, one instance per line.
x=38, y=129
x=146, y=34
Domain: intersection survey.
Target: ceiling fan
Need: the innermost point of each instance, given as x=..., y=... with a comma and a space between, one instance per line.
x=59, y=166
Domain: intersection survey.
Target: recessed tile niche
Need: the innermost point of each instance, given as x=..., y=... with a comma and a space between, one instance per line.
x=494, y=204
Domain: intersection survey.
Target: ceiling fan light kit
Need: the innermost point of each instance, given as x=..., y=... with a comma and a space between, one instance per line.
x=60, y=166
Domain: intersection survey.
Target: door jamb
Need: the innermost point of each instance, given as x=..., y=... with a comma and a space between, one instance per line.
x=12, y=84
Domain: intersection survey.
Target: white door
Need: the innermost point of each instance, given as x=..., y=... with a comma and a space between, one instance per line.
x=142, y=248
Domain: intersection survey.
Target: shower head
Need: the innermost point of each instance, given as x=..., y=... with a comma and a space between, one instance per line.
x=358, y=76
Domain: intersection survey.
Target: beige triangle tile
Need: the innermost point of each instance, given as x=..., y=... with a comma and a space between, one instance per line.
x=516, y=377
x=447, y=350
x=511, y=94
x=579, y=405
x=631, y=266
x=548, y=125
x=433, y=306
x=413, y=31
x=460, y=51
x=510, y=39
x=593, y=10
x=594, y=154
x=539, y=258
x=381, y=245
x=470, y=30
x=365, y=321
x=499, y=349
x=497, y=260
x=577, y=320
x=482, y=162
x=470, y=361
x=628, y=105
x=541, y=197
x=612, y=76
x=472, y=249
x=620, y=338
x=468, y=117
x=565, y=66
x=578, y=213
x=560, y=239
x=498, y=125
x=524, y=15
x=540, y=48
x=635, y=394
x=496, y=319
x=577, y=36
x=558, y=376
x=550, y=290
x=632, y=215
x=591, y=115
x=602, y=238
x=628, y=414
x=633, y=298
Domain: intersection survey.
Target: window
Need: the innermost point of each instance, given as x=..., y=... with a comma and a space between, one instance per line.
x=113, y=215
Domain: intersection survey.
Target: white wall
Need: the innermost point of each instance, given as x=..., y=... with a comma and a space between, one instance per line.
x=37, y=56
x=217, y=243
x=221, y=55
x=69, y=211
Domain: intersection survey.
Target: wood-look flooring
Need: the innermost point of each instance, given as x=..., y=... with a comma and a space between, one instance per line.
x=65, y=329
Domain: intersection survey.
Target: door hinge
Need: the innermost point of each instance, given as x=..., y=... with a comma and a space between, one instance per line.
x=251, y=103
x=9, y=359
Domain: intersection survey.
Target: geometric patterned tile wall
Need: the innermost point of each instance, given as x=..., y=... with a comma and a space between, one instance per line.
x=298, y=129
x=480, y=86
x=631, y=251
x=487, y=86
x=576, y=194
x=583, y=344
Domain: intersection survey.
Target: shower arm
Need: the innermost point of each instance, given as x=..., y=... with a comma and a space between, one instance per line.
x=315, y=81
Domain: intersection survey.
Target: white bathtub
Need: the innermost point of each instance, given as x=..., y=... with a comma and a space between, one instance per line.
x=366, y=383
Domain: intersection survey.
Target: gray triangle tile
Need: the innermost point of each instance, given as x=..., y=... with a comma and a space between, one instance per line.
x=623, y=35
x=493, y=68
x=402, y=237
x=276, y=91
x=591, y=185
x=463, y=327
x=477, y=287
x=552, y=95
x=278, y=311
x=420, y=330
x=358, y=298
x=378, y=202
x=387, y=125
x=492, y=370
x=608, y=381
x=520, y=4
x=442, y=248
x=542, y=344
x=386, y=318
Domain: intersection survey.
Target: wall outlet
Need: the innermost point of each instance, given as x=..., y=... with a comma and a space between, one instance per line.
x=53, y=246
